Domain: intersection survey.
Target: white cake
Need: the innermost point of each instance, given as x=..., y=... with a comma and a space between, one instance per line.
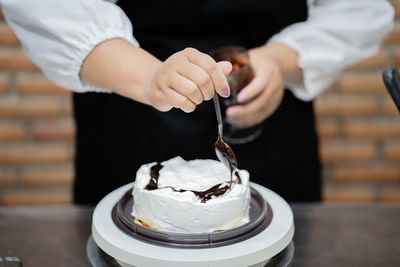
x=177, y=204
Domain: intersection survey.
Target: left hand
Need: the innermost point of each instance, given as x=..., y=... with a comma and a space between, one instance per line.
x=262, y=96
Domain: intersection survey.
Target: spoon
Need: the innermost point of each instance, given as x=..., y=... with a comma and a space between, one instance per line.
x=223, y=150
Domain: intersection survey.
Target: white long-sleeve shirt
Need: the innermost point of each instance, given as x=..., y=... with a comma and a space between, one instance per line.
x=58, y=35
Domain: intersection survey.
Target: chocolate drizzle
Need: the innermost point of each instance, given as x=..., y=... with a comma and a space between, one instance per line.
x=214, y=191
x=225, y=153
x=238, y=178
x=154, y=175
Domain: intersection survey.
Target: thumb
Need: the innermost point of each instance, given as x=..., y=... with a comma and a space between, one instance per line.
x=225, y=66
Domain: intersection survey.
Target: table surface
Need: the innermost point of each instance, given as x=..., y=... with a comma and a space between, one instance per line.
x=325, y=235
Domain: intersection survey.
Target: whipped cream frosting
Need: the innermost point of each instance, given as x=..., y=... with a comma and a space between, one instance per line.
x=169, y=210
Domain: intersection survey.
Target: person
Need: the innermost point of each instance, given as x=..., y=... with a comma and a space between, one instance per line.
x=141, y=78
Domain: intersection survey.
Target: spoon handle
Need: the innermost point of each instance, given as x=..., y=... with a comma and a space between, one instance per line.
x=218, y=112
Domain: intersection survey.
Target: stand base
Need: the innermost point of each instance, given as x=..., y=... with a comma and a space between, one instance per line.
x=99, y=258
x=255, y=251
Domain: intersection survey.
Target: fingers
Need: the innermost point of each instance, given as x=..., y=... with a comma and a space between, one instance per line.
x=208, y=64
x=253, y=89
x=225, y=67
x=186, y=79
x=177, y=100
x=190, y=89
x=200, y=80
x=259, y=108
x=261, y=97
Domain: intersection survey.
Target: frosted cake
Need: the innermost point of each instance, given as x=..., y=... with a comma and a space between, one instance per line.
x=194, y=196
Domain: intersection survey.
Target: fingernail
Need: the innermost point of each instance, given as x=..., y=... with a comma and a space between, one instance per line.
x=226, y=93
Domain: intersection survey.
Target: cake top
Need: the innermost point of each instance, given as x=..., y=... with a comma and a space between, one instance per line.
x=194, y=175
x=195, y=196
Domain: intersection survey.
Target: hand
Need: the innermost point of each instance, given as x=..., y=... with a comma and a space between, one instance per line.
x=186, y=79
x=262, y=96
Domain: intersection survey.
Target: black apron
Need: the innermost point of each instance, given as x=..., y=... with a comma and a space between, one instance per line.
x=116, y=135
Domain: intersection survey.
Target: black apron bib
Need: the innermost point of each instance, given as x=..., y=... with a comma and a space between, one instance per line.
x=116, y=135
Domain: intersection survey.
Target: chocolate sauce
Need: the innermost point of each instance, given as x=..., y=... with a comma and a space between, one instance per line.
x=225, y=152
x=154, y=175
x=238, y=178
x=214, y=191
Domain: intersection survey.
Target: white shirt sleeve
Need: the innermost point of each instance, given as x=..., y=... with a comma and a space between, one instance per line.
x=336, y=34
x=59, y=34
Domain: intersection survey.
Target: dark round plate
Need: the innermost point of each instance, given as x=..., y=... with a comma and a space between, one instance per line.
x=260, y=218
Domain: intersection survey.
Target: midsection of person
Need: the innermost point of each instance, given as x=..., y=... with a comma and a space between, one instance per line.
x=158, y=136
x=163, y=65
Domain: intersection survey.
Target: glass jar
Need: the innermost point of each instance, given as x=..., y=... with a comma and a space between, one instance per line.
x=241, y=75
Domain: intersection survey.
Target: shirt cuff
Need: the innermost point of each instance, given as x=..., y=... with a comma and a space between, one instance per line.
x=333, y=38
x=313, y=81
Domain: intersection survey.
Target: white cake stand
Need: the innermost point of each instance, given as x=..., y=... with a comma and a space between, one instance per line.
x=255, y=251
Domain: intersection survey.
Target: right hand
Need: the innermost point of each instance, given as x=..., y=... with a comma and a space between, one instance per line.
x=186, y=79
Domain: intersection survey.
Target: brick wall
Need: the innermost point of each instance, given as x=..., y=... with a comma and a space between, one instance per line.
x=359, y=127
x=36, y=131
x=358, y=124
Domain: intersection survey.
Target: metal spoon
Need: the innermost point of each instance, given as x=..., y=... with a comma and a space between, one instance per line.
x=223, y=150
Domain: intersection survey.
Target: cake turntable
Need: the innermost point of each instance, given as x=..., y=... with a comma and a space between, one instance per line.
x=118, y=241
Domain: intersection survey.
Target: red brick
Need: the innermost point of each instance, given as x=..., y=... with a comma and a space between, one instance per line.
x=38, y=84
x=389, y=108
x=345, y=151
x=379, y=129
x=51, y=175
x=377, y=61
x=368, y=173
x=361, y=83
x=3, y=83
x=389, y=195
x=12, y=131
x=396, y=5
x=8, y=177
x=394, y=36
x=396, y=59
x=392, y=150
x=7, y=36
x=34, y=153
x=36, y=196
x=53, y=130
x=344, y=105
x=15, y=59
x=30, y=107
x=349, y=193
x=327, y=128
x=68, y=108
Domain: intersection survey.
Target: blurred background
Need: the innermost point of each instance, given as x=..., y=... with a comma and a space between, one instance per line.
x=358, y=125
